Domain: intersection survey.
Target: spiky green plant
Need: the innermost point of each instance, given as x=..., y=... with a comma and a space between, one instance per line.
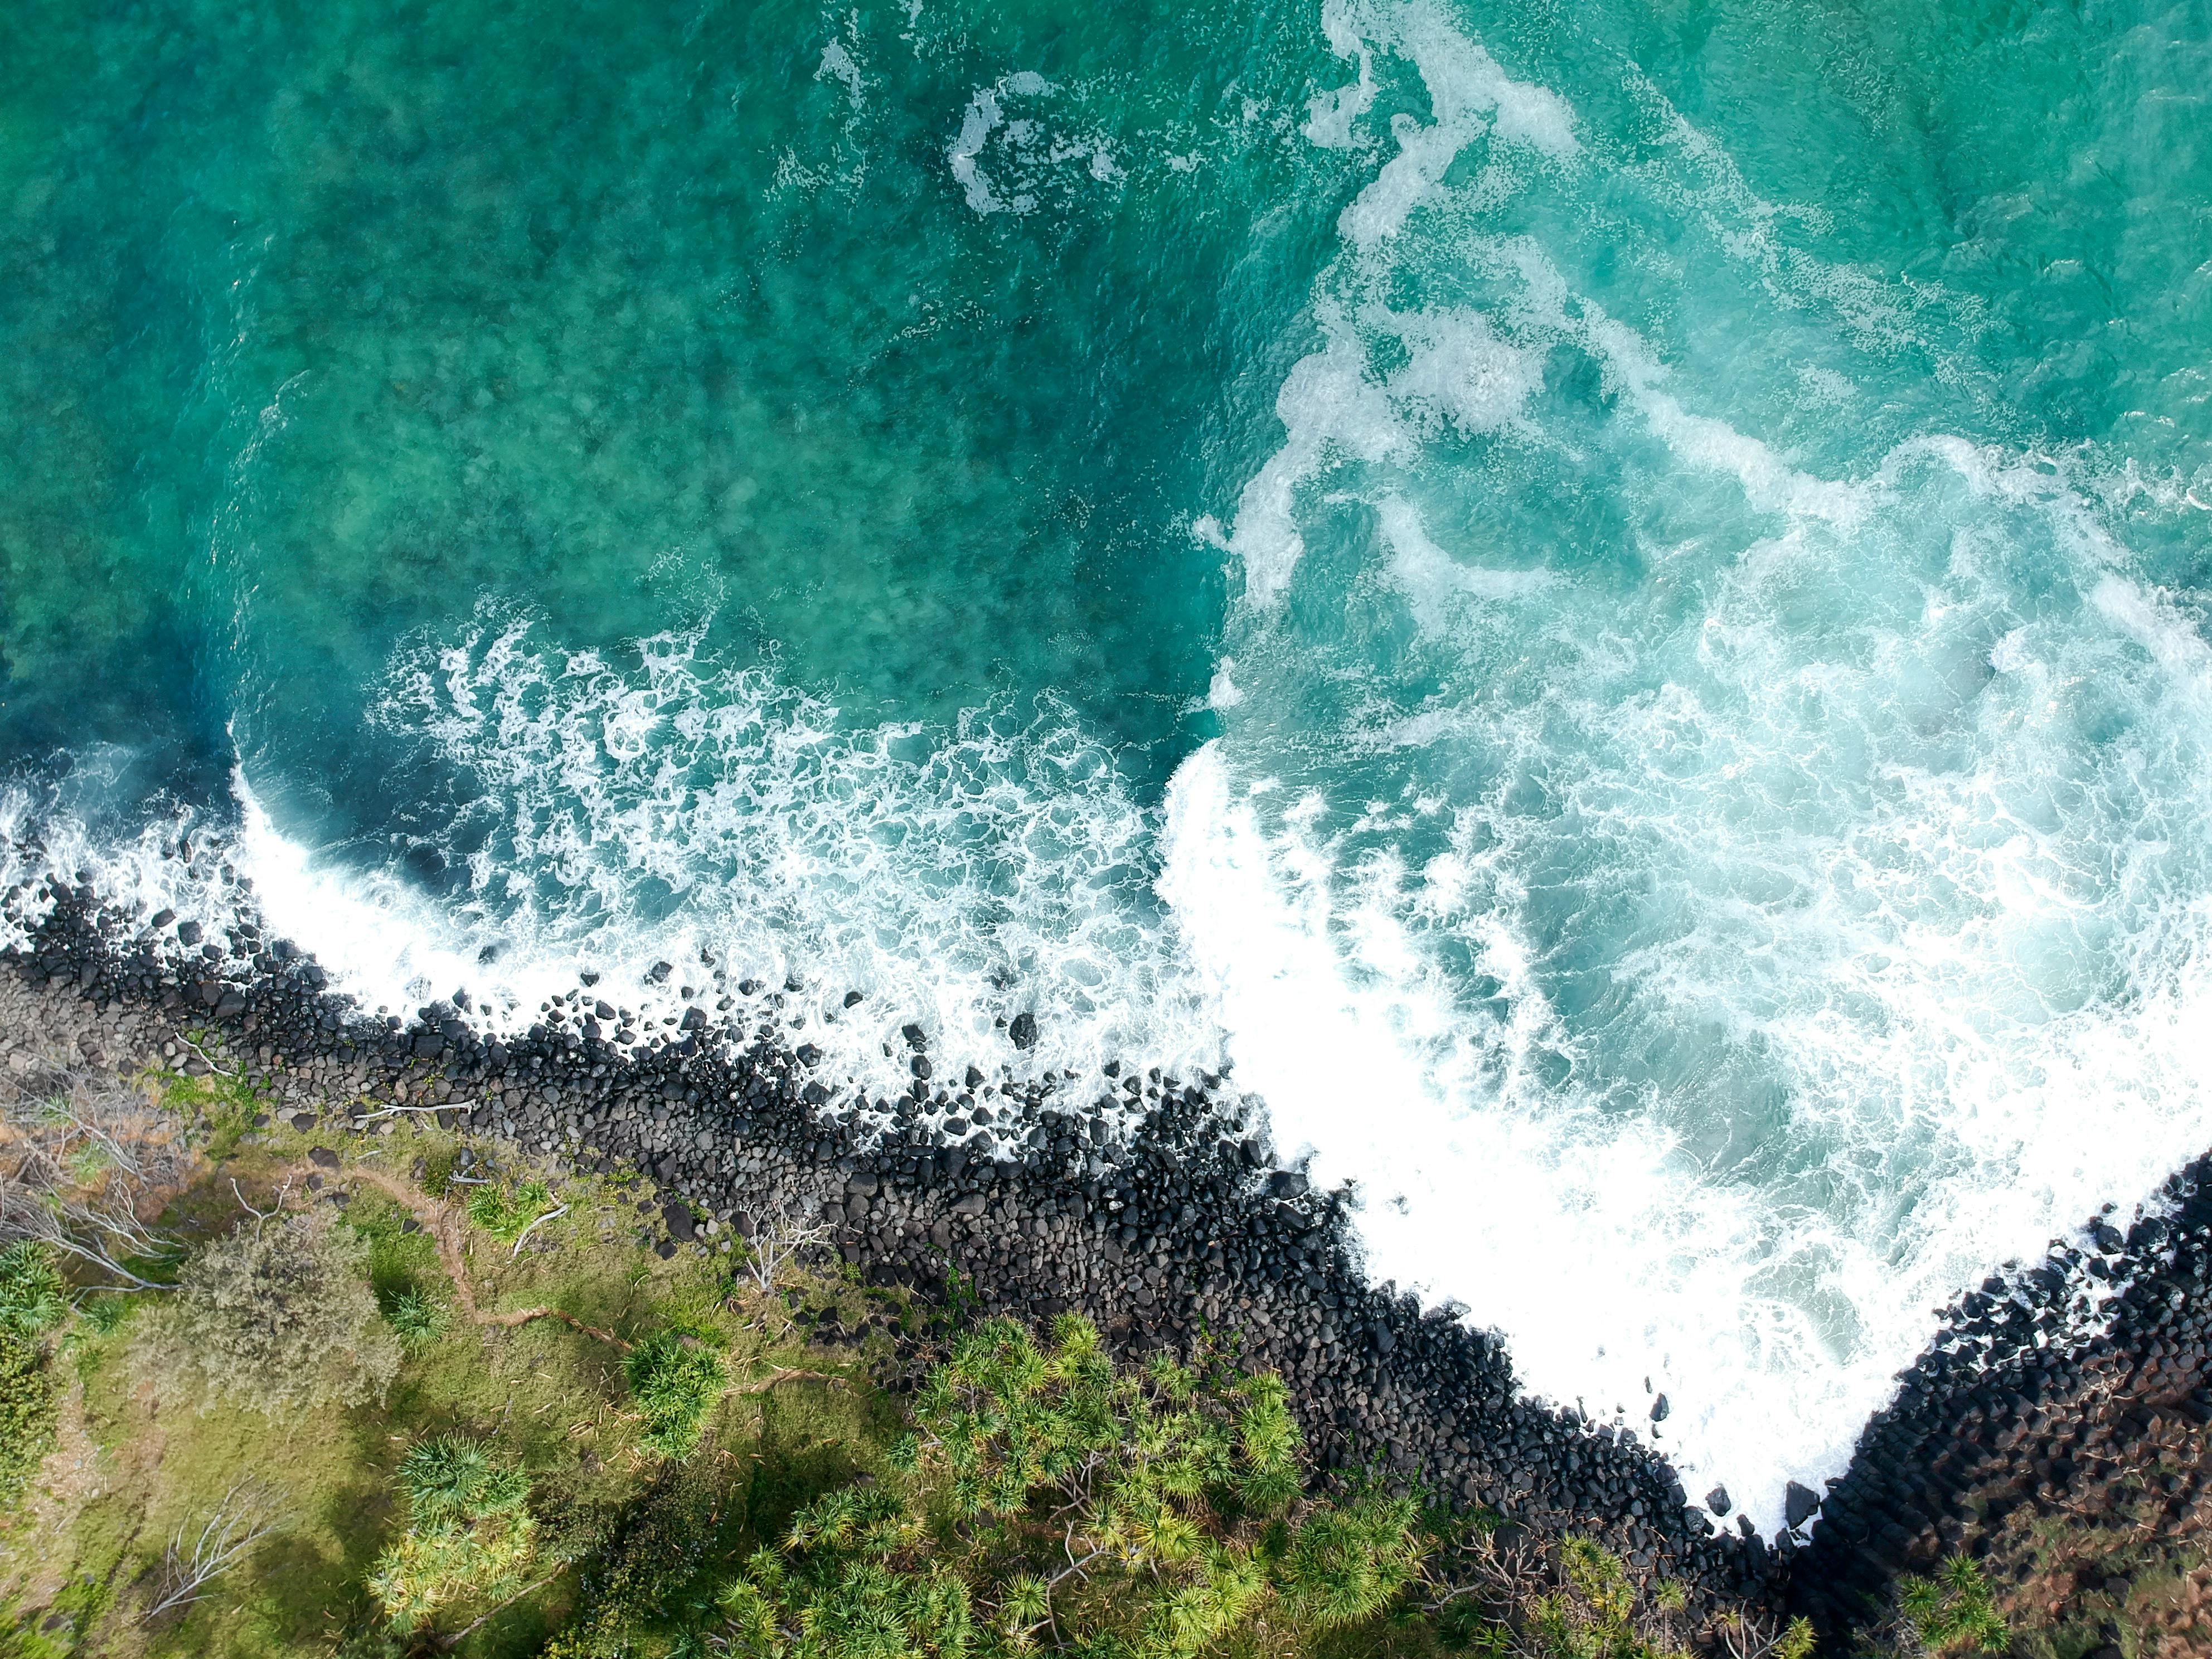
x=34, y=1298
x=1347, y=1562
x=417, y=1317
x=469, y=1538
x=1954, y=1612
x=675, y=1378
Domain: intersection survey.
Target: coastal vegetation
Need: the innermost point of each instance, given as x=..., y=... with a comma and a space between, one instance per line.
x=268, y=1397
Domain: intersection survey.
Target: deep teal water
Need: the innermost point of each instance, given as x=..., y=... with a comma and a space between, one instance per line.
x=1610, y=601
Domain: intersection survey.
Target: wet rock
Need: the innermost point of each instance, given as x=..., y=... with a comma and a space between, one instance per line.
x=1154, y=1229
x=1799, y=1505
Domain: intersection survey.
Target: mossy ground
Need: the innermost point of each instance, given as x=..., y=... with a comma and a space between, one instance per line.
x=82, y=1553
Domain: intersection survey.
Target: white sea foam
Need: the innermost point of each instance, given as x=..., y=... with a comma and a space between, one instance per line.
x=1921, y=982
x=1470, y=95
x=839, y=65
x=1330, y=404
x=1702, y=975
x=1028, y=158
x=1705, y=957
x=1459, y=372
x=659, y=810
x=1434, y=583
x=977, y=122
x=646, y=811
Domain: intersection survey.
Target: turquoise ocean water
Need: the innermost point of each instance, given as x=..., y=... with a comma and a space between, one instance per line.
x=1609, y=601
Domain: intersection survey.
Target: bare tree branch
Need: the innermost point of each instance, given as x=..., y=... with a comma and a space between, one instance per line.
x=770, y=1252
x=83, y=1152
x=261, y=1216
x=245, y=1516
x=550, y=1215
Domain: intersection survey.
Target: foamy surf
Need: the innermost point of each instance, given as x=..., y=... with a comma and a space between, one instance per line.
x=670, y=826
x=1704, y=964
x=1708, y=823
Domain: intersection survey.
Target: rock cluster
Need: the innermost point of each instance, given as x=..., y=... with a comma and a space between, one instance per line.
x=2046, y=1381
x=2075, y=1389
x=1177, y=1227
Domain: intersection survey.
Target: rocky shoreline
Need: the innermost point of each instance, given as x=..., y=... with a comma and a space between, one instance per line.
x=2065, y=1397
x=1179, y=1226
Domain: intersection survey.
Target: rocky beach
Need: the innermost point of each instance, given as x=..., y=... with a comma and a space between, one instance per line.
x=2073, y=1387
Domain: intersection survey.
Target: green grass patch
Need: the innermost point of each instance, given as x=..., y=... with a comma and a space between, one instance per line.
x=506, y=1211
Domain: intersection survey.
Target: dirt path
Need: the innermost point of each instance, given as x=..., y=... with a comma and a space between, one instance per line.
x=443, y=1223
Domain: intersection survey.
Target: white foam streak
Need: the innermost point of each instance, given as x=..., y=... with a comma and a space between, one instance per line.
x=1436, y=584
x=1581, y=1236
x=1329, y=404
x=1704, y=972
x=1470, y=95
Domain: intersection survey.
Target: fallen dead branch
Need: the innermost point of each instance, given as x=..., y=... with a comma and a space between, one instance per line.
x=245, y=1516
x=83, y=1160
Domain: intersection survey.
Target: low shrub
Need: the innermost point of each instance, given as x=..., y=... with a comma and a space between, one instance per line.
x=34, y=1300
x=675, y=1378
x=276, y=1317
x=1953, y=1612
x=29, y=1406
x=648, y=1575
x=470, y=1538
x=1149, y=1514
